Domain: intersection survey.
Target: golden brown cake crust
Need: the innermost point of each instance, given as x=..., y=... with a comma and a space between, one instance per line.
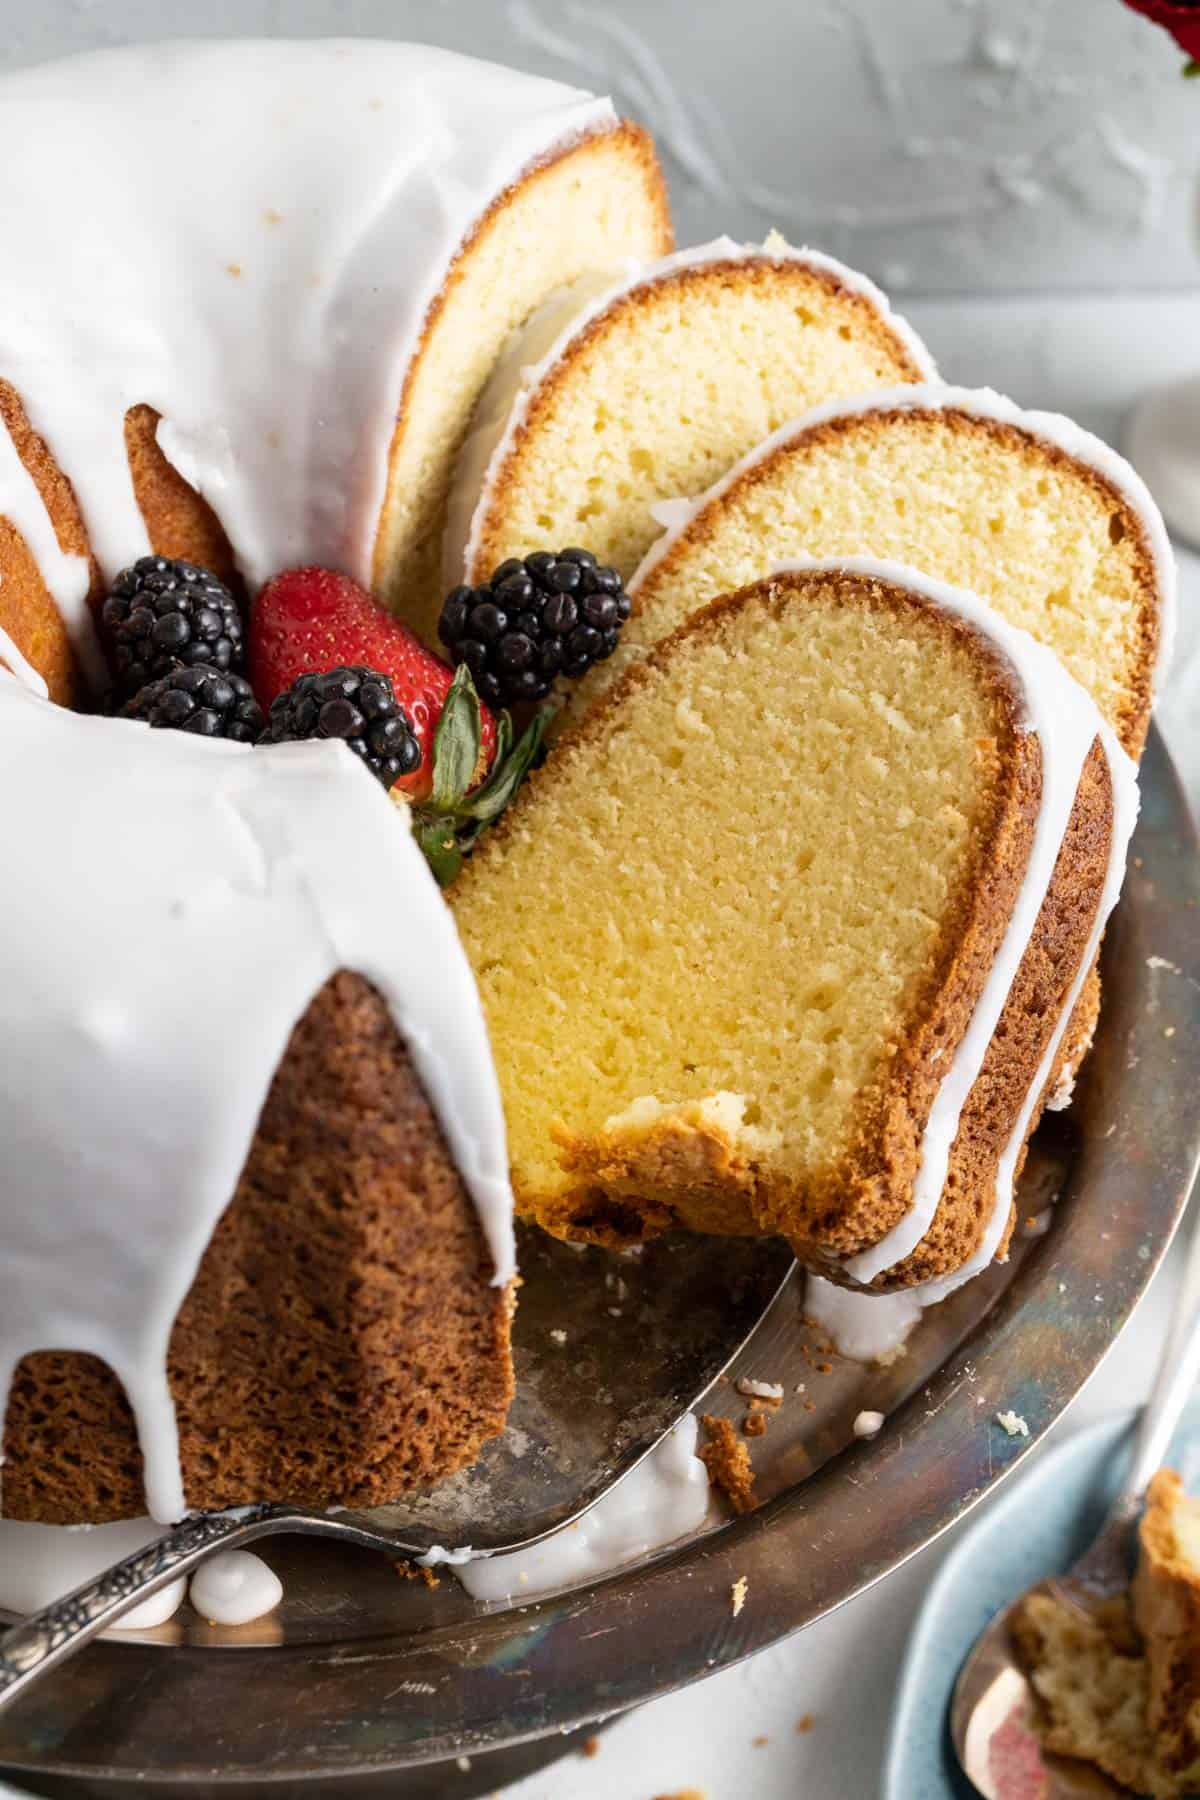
x=843, y=1210
x=1134, y=720
x=897, y=363
x=28, y=611
x=640, y=145
x=1166, y=1610
x=340, y=1342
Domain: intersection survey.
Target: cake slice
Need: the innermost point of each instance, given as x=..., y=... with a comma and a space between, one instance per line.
x=622, y=393
x=1119, y=1685
x=1025, y=509
x=787, y=935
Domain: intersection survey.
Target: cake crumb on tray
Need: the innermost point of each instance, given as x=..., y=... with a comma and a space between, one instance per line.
x=727, y=1460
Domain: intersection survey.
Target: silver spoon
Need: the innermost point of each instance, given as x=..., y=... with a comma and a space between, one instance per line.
x=992, y=1689
x=610, y=1352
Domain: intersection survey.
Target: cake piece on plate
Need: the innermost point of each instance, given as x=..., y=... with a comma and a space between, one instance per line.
x=792, y=932
x=1166, y=1609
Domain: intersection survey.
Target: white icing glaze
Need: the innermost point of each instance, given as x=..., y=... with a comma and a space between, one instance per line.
x=1067, y=723
x=41, y=1563
x=12, y=662
x=67, y=577
x=1125, y=811
x=665, y=1498
x=190, y=896
x=548, y=336
x=263, y=285
x=1053, y=428
x=233, y=1587
x=864, y=1327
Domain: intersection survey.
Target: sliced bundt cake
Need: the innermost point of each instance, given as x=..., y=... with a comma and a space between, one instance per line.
x=281, y=363
x=1026, y=509
x=618, y=395
x=788, y=933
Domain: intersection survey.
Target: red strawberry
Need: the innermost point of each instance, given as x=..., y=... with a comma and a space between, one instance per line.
x=312, y=620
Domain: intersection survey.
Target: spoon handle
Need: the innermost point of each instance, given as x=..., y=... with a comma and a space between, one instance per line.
x=38, y=1644
x=1173, y=1385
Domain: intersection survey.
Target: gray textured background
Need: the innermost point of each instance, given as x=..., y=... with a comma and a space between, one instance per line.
x=946, y=145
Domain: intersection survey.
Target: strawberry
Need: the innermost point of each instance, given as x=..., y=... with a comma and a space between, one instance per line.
x=312, y=620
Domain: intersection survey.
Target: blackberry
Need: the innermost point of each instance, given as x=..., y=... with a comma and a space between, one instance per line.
x=163, y=615
x=539, y=616
x=200, y=699
x=356, y=704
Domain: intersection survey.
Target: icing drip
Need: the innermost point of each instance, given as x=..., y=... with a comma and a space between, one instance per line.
x=1125, y=810
x=150, y=1033
x=1067, y=723
x=548, y=335
x=1052, y=428
x=271, y=282
x=864, y=1327
x=234, y=1587
x=663, y=1499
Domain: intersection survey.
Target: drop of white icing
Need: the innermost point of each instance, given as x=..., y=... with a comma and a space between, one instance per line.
x=233, y=1587
x=864, y=1327
x=664, y=1499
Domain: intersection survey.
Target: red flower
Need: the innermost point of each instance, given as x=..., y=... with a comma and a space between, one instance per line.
x=1180, y=17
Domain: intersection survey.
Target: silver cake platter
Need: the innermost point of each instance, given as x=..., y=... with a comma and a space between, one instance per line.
x=367, y=1683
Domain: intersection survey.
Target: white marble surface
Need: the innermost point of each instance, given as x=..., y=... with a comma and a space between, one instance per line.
x=1091, y=358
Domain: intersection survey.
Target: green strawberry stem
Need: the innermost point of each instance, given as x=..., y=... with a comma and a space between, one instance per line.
x=1192, y=69
x=448, y=824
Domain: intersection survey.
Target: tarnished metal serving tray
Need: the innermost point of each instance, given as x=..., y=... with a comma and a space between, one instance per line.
x=363, y=1675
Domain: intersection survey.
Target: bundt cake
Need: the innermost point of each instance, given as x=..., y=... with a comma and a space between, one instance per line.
x=257, y=1225
x=841, y=852
x=618, y=395
x=1026, y=509
x=297, y=312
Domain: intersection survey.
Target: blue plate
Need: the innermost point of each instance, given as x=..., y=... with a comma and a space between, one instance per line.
x=1036, y=1527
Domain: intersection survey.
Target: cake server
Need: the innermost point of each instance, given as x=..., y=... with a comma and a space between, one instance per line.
x=992, y=1691
x=610, y=1352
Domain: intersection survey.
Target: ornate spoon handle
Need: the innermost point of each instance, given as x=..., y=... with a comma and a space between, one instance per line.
x=31, y=1649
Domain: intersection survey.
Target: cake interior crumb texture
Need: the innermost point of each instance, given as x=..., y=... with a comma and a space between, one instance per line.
x=767, y=835
x=1119, y=1685
x=667, y=389
x=973, y=501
